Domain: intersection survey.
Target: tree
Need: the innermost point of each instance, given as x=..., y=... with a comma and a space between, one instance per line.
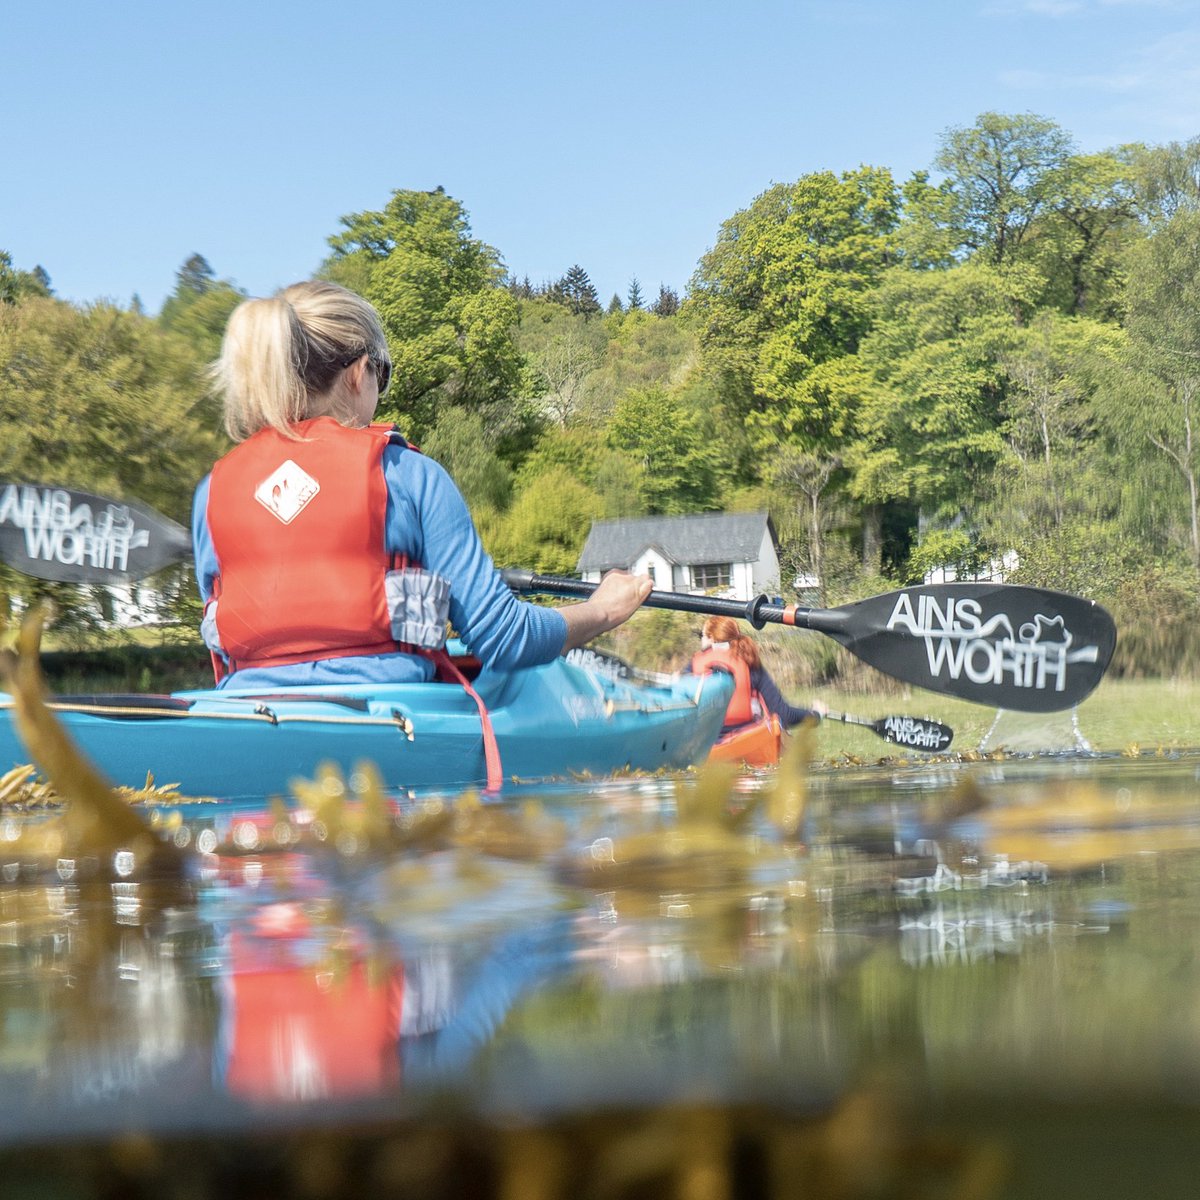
x=577, y=293
x=667, y=304
x=1003, y=171
x=634, y=300
x=1046, y=411
x=929, y=385
x=677, y=449
x=1089, y=221
x=547, y=524
x=610, y=474
x=102, y=399
x=439, y=293
x=641, y=351
x=460, y=442
x=807, y=476
x=199, y=307
x=1168, y=179
x=787, y=287
x=1157, y=395
x=16, y=285
x=561, y=352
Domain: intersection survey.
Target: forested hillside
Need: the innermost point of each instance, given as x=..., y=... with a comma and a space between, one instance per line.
x=999, y=356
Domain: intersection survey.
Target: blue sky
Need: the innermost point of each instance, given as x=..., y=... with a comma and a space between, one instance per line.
x=616, y=135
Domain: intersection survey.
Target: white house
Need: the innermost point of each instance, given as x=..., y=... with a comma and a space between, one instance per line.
x=734, y=555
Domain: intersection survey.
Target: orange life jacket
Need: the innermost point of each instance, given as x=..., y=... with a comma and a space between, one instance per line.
x=741, y=704
x=298, y=530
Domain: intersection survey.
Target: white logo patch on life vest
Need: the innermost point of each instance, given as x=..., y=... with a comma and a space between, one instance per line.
x=286, y=491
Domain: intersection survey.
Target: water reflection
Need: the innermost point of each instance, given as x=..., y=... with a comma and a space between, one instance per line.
x=861, y=959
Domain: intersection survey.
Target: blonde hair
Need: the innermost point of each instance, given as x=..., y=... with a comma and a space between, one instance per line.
x=281, y=358
x=726, y=629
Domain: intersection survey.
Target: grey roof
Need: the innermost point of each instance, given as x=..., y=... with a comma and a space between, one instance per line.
x=691, y=539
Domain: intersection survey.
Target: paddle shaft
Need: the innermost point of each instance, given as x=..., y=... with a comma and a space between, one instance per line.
x=759, y=611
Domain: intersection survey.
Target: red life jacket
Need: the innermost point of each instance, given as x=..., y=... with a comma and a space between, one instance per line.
x=298, y=530
x=741, y=708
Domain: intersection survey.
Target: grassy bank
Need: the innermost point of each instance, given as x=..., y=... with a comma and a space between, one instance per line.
x=1119, y=715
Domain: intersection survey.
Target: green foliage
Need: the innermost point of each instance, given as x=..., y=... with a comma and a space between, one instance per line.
x=102, y=399
x=656, y=639
x=199, y=307
x=562, y=352
x=1157, y=612
x=1090, y=221
x=787, y=287
x=675, y=445
x=953, y=550
x=1152, y=399
x=575, y=292
x=16, y=285
x=1003, y=172
x=612, y=475
x=449, y=321
x=1167, y=179
x=1089, y=557
x=547, y=524
x=642, y=351
x=931, y=388
x=460, y=442
x=667, y=303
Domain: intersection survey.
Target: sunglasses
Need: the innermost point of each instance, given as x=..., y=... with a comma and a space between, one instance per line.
x=383, y=375
x=382, y=367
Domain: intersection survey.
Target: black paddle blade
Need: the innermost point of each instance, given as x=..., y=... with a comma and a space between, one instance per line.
x=1006, y=646
x=76, y=537
x=915, y=733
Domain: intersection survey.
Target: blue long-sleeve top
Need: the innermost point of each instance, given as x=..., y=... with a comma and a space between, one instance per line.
x=427, y=520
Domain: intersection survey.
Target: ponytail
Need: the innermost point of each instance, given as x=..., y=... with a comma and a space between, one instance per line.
x=281, y=359
x=726, y=629
x=260, y=371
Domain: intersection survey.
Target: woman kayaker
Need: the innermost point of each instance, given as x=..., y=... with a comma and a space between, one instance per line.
x=327, y=549
x=724, y=647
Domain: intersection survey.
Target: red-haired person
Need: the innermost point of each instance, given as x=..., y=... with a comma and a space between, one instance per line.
x=724, y=647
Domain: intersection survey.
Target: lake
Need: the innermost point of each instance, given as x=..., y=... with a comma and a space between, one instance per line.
x=938, y=978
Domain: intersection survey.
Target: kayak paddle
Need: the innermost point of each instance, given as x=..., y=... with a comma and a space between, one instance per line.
x=913, y=733
x=1003, y=645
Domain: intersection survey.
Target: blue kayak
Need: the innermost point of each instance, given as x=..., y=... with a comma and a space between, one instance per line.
x=555, y=721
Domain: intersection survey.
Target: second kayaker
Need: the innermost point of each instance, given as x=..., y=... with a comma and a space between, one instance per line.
x=724, y=647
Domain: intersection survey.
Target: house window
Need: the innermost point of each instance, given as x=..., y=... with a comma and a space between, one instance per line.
x=708, y=576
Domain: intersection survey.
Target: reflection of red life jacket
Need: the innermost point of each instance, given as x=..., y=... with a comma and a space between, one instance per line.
x=297, y=1032
x=298, y=530
x=741, y=708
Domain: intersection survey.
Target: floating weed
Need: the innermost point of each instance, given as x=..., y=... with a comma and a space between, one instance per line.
x=97, y=821
x=787, y=796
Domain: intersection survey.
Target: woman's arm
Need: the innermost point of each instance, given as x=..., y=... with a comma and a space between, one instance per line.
x=612, y=603
x=773, y=698
x=429, y=521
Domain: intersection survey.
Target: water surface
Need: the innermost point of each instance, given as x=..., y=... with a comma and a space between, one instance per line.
x=947, y=979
